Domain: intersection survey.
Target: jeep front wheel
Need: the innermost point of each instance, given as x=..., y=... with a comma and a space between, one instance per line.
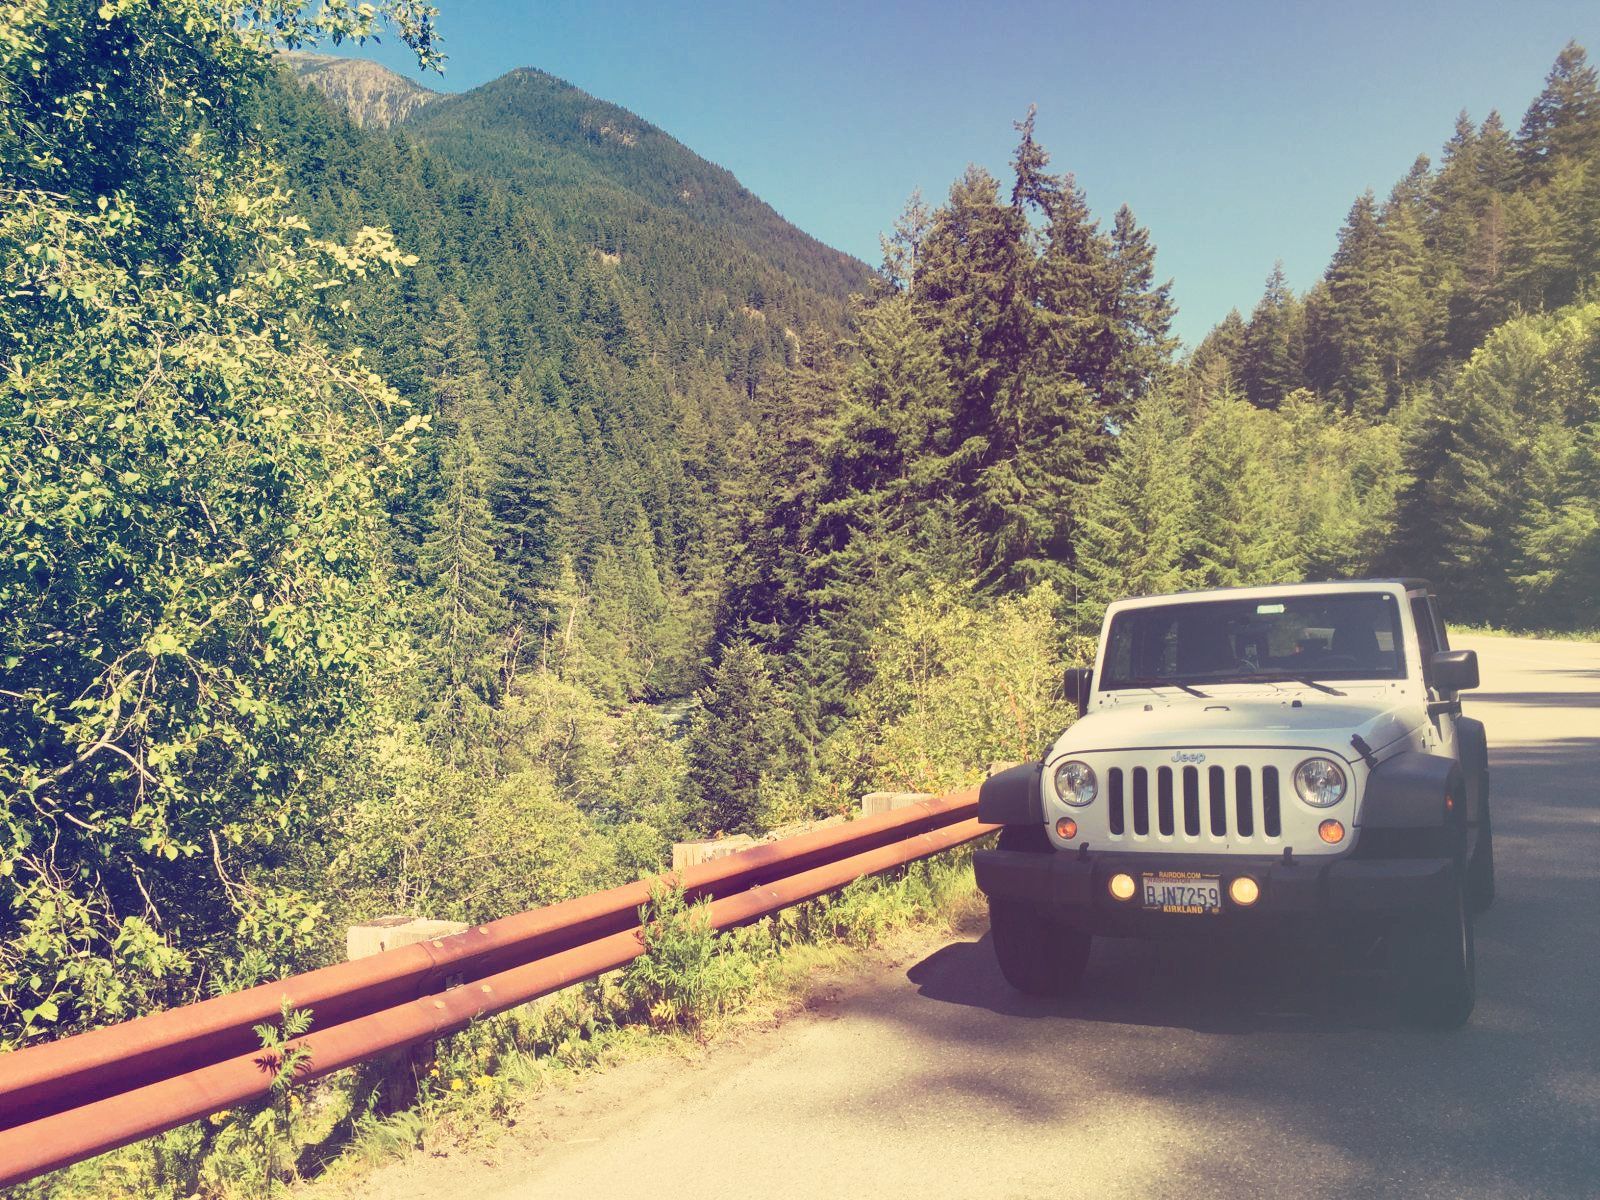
x=1434, y=961
x=1037, y=955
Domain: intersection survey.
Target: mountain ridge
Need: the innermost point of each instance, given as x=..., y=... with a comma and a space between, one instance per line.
x=529, y=128
x=527, y=122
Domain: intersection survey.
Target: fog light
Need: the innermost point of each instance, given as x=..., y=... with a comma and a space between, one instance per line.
x=1331, y=832
x=1066, y=829
x=1244, y=891
x=1122, y=887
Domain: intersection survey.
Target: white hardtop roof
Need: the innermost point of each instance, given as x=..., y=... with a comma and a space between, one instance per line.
x=1268, y=591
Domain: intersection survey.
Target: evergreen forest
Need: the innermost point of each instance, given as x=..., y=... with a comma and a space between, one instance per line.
x=443, y=508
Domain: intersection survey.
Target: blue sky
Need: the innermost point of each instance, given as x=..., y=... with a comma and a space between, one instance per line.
x=1238, y=132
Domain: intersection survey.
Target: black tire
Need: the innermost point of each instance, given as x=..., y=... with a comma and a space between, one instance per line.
x=1473, y=740
x=1037, y=956
x=1434, y=960
x=1480, y=867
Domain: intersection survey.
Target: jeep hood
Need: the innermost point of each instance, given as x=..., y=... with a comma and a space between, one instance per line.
x=1326, y=722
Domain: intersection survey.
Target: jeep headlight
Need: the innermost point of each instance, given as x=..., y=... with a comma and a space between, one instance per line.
x=1075, y=783
x=1320, y=782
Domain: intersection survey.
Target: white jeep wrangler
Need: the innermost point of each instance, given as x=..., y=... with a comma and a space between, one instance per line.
x=1251, y=757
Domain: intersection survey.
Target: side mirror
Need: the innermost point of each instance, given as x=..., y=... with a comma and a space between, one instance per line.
x=1079, y=681
x=1455, y=670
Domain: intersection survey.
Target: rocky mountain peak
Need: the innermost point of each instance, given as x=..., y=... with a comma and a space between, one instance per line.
x=371, y=95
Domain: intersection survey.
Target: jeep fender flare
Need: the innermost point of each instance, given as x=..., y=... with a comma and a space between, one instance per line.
x=1013, y=796
x=1412, y=791
x=1473, y=742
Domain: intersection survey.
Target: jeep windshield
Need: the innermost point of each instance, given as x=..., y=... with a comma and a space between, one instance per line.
x=1279, y=639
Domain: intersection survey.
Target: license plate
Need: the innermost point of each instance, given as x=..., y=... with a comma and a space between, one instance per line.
x=1182, y=892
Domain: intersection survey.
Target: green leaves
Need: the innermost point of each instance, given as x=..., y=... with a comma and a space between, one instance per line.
x=954, y=686
x=192, y=596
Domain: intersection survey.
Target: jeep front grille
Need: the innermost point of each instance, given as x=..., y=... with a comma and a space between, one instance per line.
x=1249, y=796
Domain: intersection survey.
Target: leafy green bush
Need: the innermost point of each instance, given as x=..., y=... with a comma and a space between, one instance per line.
x=193, y=604
x=954, y=687
x=688, y=974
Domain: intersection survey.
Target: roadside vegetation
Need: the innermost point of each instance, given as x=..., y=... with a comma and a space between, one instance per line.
x=691, y=984
x=1543, y=635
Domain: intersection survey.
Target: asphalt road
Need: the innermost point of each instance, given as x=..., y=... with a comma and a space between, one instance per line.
x=1178, y=1073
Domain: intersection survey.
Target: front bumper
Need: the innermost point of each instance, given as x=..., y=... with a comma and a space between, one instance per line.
x=1074, y=888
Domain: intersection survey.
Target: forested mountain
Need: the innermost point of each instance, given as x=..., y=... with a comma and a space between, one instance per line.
x=614, y=177
x=590, y=346
x=704, y=249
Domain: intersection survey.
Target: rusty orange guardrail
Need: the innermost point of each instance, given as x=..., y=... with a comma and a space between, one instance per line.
x=64, y=1101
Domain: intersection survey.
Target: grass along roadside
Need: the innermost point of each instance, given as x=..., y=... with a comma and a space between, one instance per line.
x=1539, y=635
x=693, y=983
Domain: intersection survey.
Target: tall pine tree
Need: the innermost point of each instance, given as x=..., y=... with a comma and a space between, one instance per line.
x=464, y=605
x=1137, y=522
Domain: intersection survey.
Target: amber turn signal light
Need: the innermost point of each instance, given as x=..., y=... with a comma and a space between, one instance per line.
x=1066, y=828
x=1331, y=832
x=1122, y=887
x=1244, y=891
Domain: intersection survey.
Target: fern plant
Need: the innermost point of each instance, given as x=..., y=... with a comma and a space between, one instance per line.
x=275, y=1123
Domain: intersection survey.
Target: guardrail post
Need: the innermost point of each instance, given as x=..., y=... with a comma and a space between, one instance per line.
x=874, y=803
x=395, y=1079
x=388, y=933
x=692, y=854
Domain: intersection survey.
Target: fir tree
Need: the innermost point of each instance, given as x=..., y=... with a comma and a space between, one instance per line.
x=1244, y=530
x=878, y=462
x=735, y=746
x=1137, y=522
x=1564, y=121
x=972, y=283
x=1219, y=357
x=1271, y=345
x=1033, y=187
x=1343, y=316
x=1404, y=309
x=1557, y=579
x=1495, y=167
x=768, y=577
x=531, y=460
x=464, y=597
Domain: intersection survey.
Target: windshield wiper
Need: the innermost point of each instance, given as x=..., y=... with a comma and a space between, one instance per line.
x=1312, y=683
x=1154, y=681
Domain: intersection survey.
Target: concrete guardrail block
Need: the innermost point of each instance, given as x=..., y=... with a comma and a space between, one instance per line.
x=692, y=854
x=386, y=933
x=874, y=803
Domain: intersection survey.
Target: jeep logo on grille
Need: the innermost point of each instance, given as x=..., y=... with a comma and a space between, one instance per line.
x=1184, y=756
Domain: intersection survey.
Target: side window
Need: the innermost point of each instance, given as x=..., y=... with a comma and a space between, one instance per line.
x=1422, y=615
